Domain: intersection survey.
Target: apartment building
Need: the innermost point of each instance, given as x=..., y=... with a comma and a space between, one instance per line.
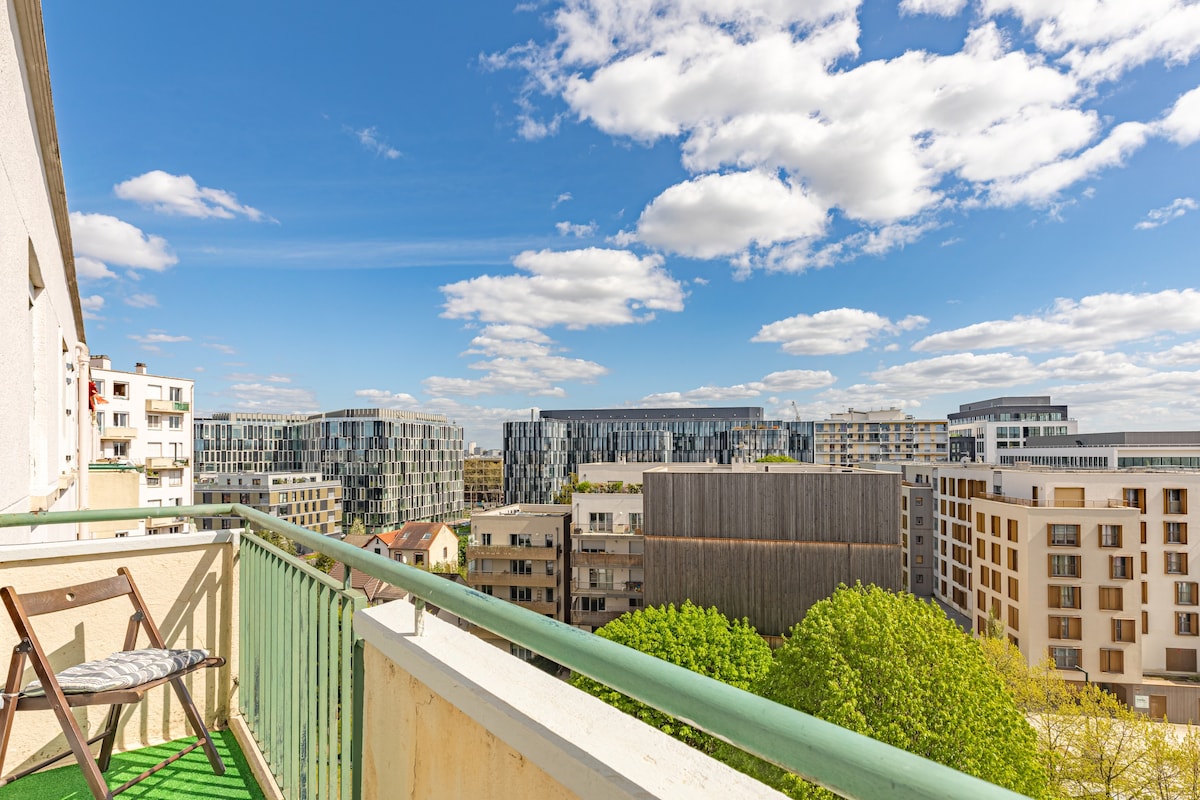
x=45, y=427
x=881, y=435
x=1093, y=569
x=142, y=445
x=541, y=454
x=394, y=466
x=984, y=431
x=303, y=498
x=519, y=553
x=607, y=544
x=766, y=541
x=1116, y=450
x=483, y=481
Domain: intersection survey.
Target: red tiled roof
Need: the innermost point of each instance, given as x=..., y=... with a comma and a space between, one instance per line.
x=412, y=535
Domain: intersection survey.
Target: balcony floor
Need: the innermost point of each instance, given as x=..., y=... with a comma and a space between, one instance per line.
x=190, y=776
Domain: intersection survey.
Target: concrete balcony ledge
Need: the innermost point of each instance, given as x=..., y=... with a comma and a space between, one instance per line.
x=449, y=715
x=115, y=432
x=167, y=406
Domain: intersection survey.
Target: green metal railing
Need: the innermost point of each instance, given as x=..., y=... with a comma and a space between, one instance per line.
x=297, y=664
x=848, y=763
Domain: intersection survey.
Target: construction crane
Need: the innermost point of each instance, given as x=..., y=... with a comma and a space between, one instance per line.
x=796, y=410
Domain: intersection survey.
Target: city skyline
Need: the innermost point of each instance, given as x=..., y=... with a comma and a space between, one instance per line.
x=578, y=205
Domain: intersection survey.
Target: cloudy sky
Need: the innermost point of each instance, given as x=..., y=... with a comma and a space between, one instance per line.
x=482, y=208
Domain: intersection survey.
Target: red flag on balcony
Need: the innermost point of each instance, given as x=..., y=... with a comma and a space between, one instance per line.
x=94, y=398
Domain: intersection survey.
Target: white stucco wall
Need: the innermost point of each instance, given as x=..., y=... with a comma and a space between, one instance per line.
x=39, y=333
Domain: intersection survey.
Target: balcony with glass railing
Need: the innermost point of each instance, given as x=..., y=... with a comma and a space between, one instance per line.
x=330, y=699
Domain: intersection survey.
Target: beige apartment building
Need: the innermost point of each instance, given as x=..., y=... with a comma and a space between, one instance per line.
x=518, y=553
x=1093, y=569
x=303, y=498
x=881, y=435
x=607, y=544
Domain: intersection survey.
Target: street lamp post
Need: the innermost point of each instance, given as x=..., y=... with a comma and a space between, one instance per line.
x=1078, y=668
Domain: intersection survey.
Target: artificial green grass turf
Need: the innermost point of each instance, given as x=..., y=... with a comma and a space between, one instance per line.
x=190, y=776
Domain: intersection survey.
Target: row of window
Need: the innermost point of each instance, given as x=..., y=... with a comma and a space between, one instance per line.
x=1120, y=567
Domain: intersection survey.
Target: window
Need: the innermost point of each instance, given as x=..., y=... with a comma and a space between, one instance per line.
x=600, y=521
x=1012, y=559
x=120, y=390
x=176, y=394
x=919, y=501
x=1175, y=501
x=1185, y=623
x=920, y=579
x=153, y=422
x=1112, y=598
x=1066, y=628
x=398, y=556
x=1185, y=593
x=153, y=480
x=520, y=567
x=518, y=539
x=1064, y=566
x=635, y=520
x=419, y=559
x=1175, y=533
x=522, y=594
x=593, y=603
x=1013, y=589
x=1112, y=661
x=487, y=589
x=920, y=520
x=1064, y=597
x=120, y=419
x=1123, y=630
x=175, y=422
x=600, y=579
x=485, y=539
x=1064, y=536
x=1121, y=566
x=523, y=653
x=120, y=449
x=1013, y=618
x=1176, y=563
x=1135, y=498
x=1110, y=535
x=1012, y=530
x=1065, y=657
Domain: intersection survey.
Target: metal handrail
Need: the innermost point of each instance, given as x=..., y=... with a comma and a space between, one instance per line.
x=848, y=763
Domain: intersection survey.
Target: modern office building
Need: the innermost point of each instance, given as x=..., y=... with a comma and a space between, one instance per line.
x=882, y=435
x=1092, y=568
x=607, y=544
x=394, y=466
x=45, y=427
x=766, y=541
x=302, y=498
x=142, y=446
x=980, y=432
x=519, y=553
x=540, y=455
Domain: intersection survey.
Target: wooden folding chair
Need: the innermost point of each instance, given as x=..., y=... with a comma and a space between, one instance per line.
x=22, y=608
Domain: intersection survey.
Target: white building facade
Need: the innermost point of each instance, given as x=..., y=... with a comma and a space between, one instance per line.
x=143, y=432
x=43, y=352
x=880, y=435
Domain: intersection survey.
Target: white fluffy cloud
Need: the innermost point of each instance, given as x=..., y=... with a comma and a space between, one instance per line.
x=91, y=269
x=833, y=332
x=141, y=300
x=782, y=125
x=1179, y=355
x=1157, y=217
x=369, y=138
x=960, y=372
x=578, y=230
x=180, y=194
x=91, y=306
x=104, y=240
x=271, y=398
x=719, y=215
x=517, y=360
x=573, y=288
x=1093, y=321
x=795, y=380
x=158, y=337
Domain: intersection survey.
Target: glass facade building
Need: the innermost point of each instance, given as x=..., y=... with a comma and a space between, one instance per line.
x=540, y=454
x=394, y=466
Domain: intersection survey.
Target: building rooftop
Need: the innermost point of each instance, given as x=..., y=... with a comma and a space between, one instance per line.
x=660, y=414
x=1116, y=438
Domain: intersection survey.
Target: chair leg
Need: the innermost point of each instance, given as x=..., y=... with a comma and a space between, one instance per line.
x=193, y=715
x=78, y=742
x=110, y=738
x=11, y=686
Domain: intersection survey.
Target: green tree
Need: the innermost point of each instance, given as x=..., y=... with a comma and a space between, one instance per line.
x=896, y=669
x=776, y=459
x=1106, y=751
x=357, y=528
x=324, y=562
x=700, y=639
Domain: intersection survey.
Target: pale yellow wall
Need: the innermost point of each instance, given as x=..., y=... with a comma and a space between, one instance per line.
x=190, y=590
x=414, y=743
x=113, y=489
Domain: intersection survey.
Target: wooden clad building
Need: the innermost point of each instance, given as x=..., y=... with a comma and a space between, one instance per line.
x=766, y=541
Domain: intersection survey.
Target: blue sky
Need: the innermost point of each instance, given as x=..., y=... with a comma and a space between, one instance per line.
x=479, y=209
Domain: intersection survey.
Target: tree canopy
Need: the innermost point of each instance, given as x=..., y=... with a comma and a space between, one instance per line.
x=700, y=639
x=896, y=669
x=776, y=459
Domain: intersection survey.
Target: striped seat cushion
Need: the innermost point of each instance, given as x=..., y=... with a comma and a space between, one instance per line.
x=122, y=670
